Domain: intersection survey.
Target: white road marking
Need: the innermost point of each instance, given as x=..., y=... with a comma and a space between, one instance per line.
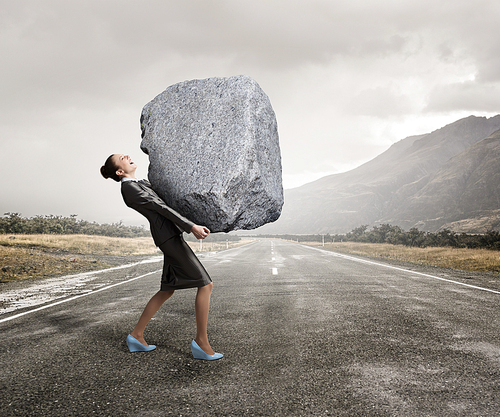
x=77, y=296
x=275, y=271
x=48, y=290
x=352, y=258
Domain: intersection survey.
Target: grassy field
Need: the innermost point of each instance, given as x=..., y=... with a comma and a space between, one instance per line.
x=82, y=244
x=455, y=258
x=37, y=256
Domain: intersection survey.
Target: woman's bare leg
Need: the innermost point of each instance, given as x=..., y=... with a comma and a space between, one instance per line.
x=201, y=307
x=149, y=311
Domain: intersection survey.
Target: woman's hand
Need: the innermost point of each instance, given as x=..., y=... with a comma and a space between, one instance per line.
x=200, y=232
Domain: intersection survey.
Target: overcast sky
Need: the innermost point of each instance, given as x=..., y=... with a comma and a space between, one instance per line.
x=346, y=79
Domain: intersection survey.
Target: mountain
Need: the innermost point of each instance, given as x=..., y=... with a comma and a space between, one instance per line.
x=464, y=195
x=446, y=178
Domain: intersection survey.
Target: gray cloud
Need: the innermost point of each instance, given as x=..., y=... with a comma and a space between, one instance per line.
x=380, y=102
x=346, y=79
x=467, y=95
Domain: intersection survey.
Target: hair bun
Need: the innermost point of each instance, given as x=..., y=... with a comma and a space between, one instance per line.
x=104, y=173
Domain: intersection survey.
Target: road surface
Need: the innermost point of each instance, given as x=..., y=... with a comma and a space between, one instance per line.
x=304, y=332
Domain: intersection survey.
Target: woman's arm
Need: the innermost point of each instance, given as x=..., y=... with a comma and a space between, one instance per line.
x=136, y=197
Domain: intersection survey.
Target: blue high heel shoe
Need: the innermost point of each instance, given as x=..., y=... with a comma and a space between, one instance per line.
x=198, y=353
x=135, y=346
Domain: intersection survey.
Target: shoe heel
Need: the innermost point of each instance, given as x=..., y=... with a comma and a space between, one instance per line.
x=135, y=346
x=199, y=353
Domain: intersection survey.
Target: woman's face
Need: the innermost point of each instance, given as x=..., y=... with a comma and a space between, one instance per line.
x=125, y=166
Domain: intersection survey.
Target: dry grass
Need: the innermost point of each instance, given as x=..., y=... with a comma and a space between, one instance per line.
x=36, y=256
x=455, y=258
x=82, y=244
x=21, y=263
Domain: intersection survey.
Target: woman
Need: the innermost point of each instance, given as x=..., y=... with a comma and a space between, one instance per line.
x=181, y=268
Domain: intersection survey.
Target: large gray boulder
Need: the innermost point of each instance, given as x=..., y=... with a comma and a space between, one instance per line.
x=214, y=152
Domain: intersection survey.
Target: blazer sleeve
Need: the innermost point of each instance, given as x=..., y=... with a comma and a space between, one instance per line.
x=138, y=198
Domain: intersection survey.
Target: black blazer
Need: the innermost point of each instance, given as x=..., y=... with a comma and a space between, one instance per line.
x=163, y=221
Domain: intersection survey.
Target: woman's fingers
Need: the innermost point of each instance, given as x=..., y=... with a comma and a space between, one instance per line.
x=200, y=232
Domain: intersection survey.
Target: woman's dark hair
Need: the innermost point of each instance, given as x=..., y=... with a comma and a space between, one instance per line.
x=108, y=170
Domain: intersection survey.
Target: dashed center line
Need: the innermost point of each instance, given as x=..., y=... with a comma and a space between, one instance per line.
x=274, y=270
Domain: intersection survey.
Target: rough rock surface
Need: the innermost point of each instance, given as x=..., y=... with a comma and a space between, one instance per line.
x=214, y=152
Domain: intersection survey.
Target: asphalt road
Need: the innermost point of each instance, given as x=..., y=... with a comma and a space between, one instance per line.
x=304, y=332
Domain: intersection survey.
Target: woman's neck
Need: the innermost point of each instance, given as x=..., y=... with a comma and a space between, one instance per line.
x=131, y=176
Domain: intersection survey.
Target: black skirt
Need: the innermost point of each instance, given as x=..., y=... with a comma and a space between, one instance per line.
x=181, y=268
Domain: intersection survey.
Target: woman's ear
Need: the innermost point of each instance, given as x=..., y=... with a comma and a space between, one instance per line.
x=120, y=172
